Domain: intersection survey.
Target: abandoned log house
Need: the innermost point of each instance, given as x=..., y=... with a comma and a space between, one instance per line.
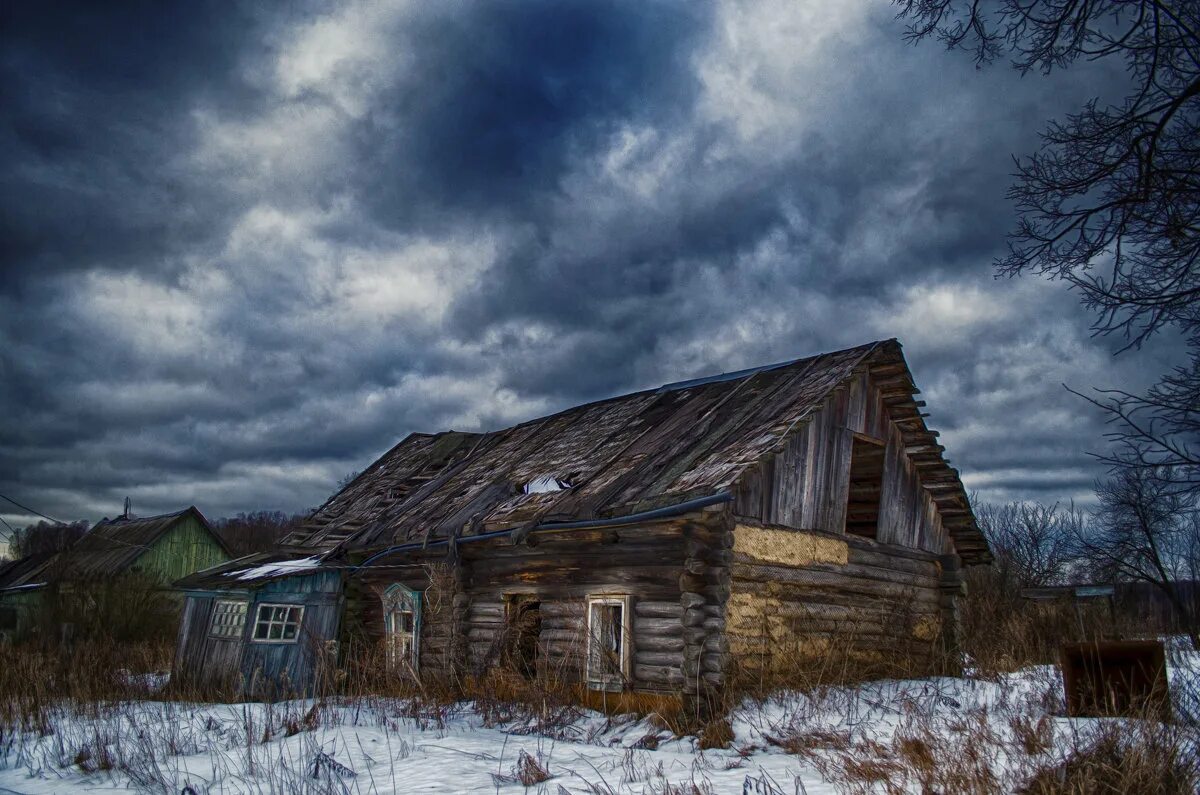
x=667, y=541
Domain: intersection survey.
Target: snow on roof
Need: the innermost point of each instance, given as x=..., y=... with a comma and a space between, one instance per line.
x=26, y=587
x=276, y=569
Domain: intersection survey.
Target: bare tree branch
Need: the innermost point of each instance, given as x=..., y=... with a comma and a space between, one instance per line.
x=1110, y=202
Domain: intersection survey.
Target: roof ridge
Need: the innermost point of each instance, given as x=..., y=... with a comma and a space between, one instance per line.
x=130, y=519
x=698, y=381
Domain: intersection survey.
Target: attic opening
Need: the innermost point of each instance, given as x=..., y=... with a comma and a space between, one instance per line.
x=866, y=485
x=547, y=483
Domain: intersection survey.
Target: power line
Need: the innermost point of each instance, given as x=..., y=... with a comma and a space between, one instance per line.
x=27, y=508
x=6, y=524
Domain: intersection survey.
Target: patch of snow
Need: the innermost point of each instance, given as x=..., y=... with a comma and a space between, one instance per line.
x=382, y=745
x=151, y=682
x=278, y=568
x=29, y=586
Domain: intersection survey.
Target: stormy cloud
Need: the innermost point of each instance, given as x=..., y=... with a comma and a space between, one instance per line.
x=245, y=248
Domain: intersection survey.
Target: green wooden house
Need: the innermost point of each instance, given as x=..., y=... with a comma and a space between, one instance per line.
x=104, y=567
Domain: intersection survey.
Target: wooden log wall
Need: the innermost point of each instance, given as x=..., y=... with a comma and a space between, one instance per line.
x=806, y=485
x=799, y=596
x=560, y=570
x=704, y=591
x=443, y=603
x=260, y=669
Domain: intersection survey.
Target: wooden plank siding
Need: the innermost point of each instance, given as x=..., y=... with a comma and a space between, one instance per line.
x=255, y=668
x=464, y=613
x=805, y=485
x=185, y=548
x=200, y=659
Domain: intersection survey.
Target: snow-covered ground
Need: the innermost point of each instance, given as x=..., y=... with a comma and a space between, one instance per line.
x=817, y=742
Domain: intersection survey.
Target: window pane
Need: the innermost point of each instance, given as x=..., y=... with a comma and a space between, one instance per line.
x=276, y=632
x=614, y=628
x=400, y=621
x=228, y=619
x=260, y=631
x=289, y=631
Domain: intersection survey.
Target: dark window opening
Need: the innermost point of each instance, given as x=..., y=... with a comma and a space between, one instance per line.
x=524, y=629
x=866, y=484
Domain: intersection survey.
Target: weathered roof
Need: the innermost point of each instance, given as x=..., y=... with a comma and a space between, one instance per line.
x=252, y=570
x=112, y=545
x=26, y=573
x=620, y=456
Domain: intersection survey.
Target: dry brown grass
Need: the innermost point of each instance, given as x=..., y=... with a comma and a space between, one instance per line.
x=925, y=753
x=1003, y=632
x=1136, y=755
x=528, y=772
x=33, y=680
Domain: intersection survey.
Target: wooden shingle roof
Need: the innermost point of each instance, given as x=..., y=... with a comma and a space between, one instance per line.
x=112, y=545
x=622, y=455
x=27, y=572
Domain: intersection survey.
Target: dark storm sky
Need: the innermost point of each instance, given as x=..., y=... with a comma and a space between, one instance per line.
x=245, y=248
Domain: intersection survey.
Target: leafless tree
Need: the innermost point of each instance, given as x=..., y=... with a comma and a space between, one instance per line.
x=1146, y=531
x=346, y=479
x=1158, y=432
x=260, y=531
x=1110, y=203
x=1032, y=543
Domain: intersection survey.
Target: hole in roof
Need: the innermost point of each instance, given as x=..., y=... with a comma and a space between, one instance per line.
x=545, y=483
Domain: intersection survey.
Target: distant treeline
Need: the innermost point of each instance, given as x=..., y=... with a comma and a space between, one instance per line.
x=259, y=531
x=244, y=534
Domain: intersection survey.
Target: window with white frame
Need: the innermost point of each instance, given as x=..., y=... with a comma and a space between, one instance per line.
x=610, y=632
x=402, y=626
x=228, y=619
x=278, y=623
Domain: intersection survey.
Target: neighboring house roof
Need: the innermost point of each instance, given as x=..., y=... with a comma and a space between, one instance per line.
x=113, y=545
x=253, y=570
x=1082, y=591
x=623, y=455
x=26, y=573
